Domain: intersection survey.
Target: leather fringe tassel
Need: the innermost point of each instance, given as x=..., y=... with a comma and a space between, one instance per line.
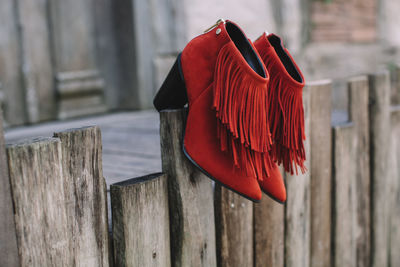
x=240, y=97
x=286, y=115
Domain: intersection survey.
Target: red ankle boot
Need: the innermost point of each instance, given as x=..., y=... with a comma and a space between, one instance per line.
x=222, y=77
x=286, y=114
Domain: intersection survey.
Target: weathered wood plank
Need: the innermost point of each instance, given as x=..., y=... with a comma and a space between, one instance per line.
x=379, y=117
x=394, y=169
x=190, y=193
x=358, y=109
x=395, y=84
x=8, y=239
x=297, y=213
x=320, y=173
x=36, y=175
x=344, y=196
x=85, y=195
x=234, y=228
x=2, y=104
x=141, y=221
x=269, y=226
x=351, y=201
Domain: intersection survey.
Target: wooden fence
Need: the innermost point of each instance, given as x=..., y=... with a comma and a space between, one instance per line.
x=345, y=211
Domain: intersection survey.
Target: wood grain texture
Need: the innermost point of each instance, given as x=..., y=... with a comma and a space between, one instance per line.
x=297, y=212
x=85, y=195
x=358, y=109
x=269, y=226
x=36, y=175
x=8, y=239
x=141, y=221
x=234, y=228
x=395, y=84
x=379, y=117
x=190, y=193
x=320, y=173
x=394, y=169
x=344, y=196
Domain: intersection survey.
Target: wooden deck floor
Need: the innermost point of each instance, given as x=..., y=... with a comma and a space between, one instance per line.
x=131, y=143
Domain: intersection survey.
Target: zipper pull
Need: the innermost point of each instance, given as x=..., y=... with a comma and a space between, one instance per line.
x=215, y=25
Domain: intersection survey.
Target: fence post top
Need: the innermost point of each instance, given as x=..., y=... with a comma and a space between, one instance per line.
x=359, y=78
x=31, y=141
x=381, y=72
x=319, y=82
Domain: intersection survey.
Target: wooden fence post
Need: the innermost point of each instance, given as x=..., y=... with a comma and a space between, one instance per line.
x=394, y=172
x=395, y=84
x=344, y=202
x=297, y=212
x=141, y=221
x=190, y=196
x=394, y=169
x=358, y=109
x=39, y=201
x=269, y=226
x=59, y=195
x=8, y=239
x=234, y=228
x=320, y=173
x=2, y=105
x=351, y=181
x=379, y=115
x=86, y=195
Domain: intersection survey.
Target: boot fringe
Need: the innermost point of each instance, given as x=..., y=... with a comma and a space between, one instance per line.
x=286, y=115
x=242, y=114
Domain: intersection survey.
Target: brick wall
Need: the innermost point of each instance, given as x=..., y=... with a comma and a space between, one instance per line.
x=344, y=20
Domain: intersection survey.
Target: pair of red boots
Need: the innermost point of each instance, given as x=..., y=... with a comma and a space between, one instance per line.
x=245, y=109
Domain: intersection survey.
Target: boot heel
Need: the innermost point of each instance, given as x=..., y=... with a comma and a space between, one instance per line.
x=172, y=93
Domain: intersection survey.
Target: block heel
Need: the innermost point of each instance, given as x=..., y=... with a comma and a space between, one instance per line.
x=172, y=93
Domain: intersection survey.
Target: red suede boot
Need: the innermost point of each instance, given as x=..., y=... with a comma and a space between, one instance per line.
x=223, y=79
x=286, y=115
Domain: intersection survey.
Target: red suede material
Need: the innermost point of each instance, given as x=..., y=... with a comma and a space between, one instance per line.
x=198, y=60
x=286, y=113
x=201, y=142
x=263, y=46
x=274, y=185
x=203, y=147
x=240, y=97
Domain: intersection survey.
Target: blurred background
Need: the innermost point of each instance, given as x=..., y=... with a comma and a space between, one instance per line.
x=63, y=59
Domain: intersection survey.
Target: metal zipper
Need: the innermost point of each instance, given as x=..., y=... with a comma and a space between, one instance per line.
x=215, y=25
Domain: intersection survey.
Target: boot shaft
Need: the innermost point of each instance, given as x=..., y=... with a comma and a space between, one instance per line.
x=199, y=57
